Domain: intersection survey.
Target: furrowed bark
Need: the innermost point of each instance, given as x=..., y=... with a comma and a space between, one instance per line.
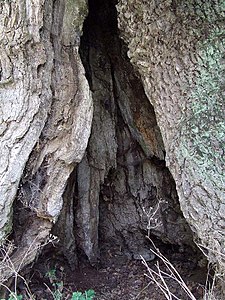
x=46, y=111
x=178, y=49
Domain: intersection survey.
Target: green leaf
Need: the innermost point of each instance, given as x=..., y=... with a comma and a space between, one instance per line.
x=87, y=295
x=90, y=294
x=51, y=274
x=12, y=296
x=76, y=296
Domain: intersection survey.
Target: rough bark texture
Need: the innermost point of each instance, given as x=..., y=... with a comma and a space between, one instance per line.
x=178, y=49
x=122, y=189
x=46, y=113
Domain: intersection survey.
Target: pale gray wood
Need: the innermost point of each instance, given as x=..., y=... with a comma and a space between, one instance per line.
x=46, y=113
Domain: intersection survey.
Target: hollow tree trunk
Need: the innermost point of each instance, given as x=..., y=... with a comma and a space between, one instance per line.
x=178, y=49
x=122, y=181
x=104, y=180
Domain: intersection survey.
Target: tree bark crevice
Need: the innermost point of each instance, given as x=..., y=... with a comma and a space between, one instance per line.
x=178, y=50
x=122, y=179
x=92, y=126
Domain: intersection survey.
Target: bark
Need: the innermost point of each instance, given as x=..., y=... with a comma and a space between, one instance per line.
x=178, y=49
x=46, y=113
x=81, y=149
x=122, y=177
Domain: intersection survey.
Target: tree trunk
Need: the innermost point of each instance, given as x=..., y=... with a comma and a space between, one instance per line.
x=178, y=49
x=122, y=180
x=82, y=151
x=46, y=113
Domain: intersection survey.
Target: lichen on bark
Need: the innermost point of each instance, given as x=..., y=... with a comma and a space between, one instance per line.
x=178, y=49
x=75, y=12
x=202, y=143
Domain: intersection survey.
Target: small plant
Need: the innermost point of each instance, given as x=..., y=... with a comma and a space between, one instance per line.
x=12, y=296
x=17, y=297
x=87, y=295
x=57, y=291
x=51, y=274
x=6, y=250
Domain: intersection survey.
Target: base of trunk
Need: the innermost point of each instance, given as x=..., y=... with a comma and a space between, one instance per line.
x=121, y=191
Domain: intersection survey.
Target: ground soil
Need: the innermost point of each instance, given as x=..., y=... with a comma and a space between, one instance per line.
x=116, y=277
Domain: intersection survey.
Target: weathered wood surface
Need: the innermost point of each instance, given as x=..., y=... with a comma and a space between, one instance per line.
x=45, y=111
x=46, y=114
x=123, y=190
x=178, y=49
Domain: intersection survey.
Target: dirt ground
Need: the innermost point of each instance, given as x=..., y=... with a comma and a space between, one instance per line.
x=116, y=278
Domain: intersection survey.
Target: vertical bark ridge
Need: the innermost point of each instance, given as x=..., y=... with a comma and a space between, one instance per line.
x=55, y=95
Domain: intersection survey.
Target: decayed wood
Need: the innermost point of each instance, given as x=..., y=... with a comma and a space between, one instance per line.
x=123, y=188
x=46, y=115
x=178, y=49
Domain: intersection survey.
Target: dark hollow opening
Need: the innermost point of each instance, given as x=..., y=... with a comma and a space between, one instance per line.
x=121, y=191
x=135, y=192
